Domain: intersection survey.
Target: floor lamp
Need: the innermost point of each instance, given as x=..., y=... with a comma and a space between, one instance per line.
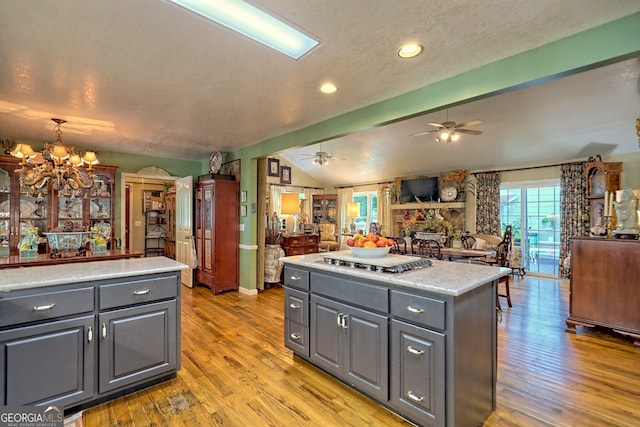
x=290, y=205
x=353, y=210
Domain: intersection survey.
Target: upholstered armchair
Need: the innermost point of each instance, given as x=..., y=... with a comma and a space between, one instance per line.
x=328, y=238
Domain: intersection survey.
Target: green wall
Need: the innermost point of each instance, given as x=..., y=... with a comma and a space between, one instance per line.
x=598, y=46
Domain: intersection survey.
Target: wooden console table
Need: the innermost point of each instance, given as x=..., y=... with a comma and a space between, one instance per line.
x=604, y=285
x=14, y=261
x=300, y=244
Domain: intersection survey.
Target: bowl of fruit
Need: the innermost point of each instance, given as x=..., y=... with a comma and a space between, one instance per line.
x=369, y=246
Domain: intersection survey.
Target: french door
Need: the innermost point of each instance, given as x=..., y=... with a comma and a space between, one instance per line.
x=533, y=211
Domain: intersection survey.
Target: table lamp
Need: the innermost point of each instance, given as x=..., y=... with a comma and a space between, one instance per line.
x=290, y=205
x=353, y=210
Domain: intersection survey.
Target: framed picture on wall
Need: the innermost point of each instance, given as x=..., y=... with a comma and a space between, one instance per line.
x=243, y=210
x=243, y=197
x=285, y=175
x=273, y=167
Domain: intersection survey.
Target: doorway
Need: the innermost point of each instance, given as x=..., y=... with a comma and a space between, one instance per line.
x=533, y=211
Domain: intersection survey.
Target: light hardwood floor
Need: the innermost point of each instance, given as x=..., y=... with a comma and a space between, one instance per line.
x=236, y=371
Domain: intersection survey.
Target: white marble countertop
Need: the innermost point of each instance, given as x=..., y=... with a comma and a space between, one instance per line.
x=444, y=277
x=60, y=274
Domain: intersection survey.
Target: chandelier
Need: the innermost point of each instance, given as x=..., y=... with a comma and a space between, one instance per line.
x=56, y=164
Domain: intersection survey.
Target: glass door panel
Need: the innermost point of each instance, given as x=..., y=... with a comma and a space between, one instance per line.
x=33, y=212
x=533, y=211
x=5, y=211
x=69, y=210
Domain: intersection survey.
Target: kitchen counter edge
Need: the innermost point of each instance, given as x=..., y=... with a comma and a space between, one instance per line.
x=444, y=277
x=62, y=274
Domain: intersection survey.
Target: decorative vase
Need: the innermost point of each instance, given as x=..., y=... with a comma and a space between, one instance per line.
x=456, y=243
x=272, y=265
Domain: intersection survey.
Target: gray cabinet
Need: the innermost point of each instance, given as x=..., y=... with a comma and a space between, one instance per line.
x=418, y=356
x=427, y=356
x=418, y=372
x=71, y=345
x=136, y=343
x=352, y=344
x=48, y=364
x=296, y=321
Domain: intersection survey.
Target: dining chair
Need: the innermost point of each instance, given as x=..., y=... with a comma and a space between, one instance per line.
x=468, y=241
x=399, y=245
x=503, y=255
x=426, y=247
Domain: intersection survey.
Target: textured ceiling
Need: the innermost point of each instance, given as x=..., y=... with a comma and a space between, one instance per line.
x=148, y=77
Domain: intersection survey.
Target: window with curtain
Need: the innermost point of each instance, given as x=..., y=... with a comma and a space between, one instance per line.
x=368, y=209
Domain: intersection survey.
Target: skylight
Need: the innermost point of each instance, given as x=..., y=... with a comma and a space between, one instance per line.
x=254, y=23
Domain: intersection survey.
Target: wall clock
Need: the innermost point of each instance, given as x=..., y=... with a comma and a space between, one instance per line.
x=215, y=162
x=448, y=194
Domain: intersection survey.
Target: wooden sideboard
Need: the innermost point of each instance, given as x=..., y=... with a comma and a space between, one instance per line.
x=300, y=244
x=604, y=285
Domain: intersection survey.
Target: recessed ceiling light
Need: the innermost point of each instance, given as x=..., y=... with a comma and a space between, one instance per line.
x=328, y=88
x=254, y=23
x=410, y=50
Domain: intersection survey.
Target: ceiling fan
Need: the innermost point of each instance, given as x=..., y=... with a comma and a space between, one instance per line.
x=320, y=157
x=450, y=131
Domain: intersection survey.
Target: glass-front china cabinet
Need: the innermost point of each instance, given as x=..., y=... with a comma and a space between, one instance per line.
x=22, y=209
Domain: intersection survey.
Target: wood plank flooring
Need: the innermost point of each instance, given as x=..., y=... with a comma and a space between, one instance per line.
x=236, y=371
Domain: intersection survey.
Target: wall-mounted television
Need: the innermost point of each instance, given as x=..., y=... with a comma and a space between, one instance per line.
x=426, y=189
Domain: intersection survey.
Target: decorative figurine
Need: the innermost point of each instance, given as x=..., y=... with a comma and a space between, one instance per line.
x=627, y=227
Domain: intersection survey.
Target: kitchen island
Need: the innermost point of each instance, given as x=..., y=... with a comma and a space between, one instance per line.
x=421, y=342
x=74, y=335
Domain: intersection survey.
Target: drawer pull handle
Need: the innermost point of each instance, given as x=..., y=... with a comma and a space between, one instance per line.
x=104, y=330
x=90, y=334
x=414, y=397
x=295, y=336
x=295, y=278
x=43, y=307
x=293, y=305
x=142, y=292
x=415, y=310
x=342, y=321
x=412, y=350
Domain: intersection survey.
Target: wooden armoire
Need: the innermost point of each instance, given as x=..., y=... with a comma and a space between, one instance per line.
x=217, y=233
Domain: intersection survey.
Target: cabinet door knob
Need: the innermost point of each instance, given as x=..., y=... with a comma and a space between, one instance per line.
x=412, y=350
x=142, y=292
x=295, y=278
x=104, y=330
x=90, y=334
x=414, y=396
x=295, y=336
x=43, y=307
x=293, y=305
x=415, y=310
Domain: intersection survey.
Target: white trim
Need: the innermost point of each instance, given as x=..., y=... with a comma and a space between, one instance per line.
x=123, y=204
x=246, y=291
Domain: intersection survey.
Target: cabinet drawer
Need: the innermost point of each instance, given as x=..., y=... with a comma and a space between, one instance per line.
x=296, y=277
x=418, y=373
x=45, y=305
x=360, y=294
x=296, y=337
x=138, y=291
x=298, y=241
x=296, y=306
x=421, y=310
x=300, y=250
